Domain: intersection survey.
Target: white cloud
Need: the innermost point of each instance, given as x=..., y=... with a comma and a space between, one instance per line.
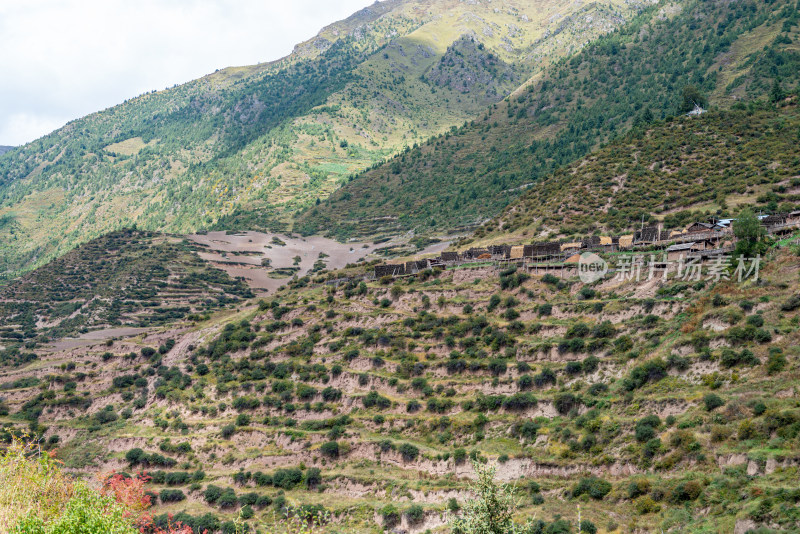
x=63, y=59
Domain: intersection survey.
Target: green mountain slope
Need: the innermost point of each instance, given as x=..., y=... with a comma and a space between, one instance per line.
x=679, y=171
x=729, y=50
x=122, y=279
x=248, y=146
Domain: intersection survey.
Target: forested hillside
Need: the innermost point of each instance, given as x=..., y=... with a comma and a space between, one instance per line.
x=722, y=51
x=676, y=172
x=246, y=147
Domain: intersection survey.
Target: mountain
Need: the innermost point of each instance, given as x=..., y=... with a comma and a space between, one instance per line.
x=663, y=402
x=4, y=149
x=123, y=280
x=245, y=147
x=725, y=51
x=654, y=405
x=674, y=172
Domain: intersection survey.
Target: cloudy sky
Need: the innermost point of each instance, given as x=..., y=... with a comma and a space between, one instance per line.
x=62, y=59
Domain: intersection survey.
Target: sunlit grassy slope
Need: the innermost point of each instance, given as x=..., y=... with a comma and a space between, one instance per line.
x=729, y=51
x=248, y=146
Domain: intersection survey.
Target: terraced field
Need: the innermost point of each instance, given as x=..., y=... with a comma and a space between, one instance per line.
x=654, y=404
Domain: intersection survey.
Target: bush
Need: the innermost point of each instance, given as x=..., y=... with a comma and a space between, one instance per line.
x=730, y=358
x=776, y=361
x=171, y=495
x=415, y=514
x=712, y=402
x=646, y=505
x=565, y=402
x=374, y=399
x=313, y=477
x=330, y=449
x=686, y=491
x=287, y=478
x=791, y=304
x=212, y=494
x=242, y=419
x=330, y=394
x=408, y=451
x=595, y=487
x=248, y=498
x=227, y=431
x=135, y=456
x=525, y=382
x=228, y=498
x=390, y=515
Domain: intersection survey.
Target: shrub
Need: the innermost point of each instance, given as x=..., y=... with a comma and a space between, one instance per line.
x=730, y=358
x=497, y=367
x=595, y=487
x=590, y=364
x=373, y=398
x=565, y=402
x=313, y=477
x=212, y=494
x=525, y=382
x=135, y=456
x=686, y=491
x=242, y=419
x=330, y=394
x=415, y=514
x=227, y=431
x=791, y=304
x=287, y=478
x=330, y=449
x=408, y=451
x=644, y=433
x=227, y=498
x=390, y=515
x=776, y=361
x=651, y=371
x=712, y=402
x=171, y=495
x=248, y=498
x=646, y=505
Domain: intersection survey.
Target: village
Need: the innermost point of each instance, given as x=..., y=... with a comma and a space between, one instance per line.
x=699, y=241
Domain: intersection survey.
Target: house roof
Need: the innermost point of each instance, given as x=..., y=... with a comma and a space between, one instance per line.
x=681, y=246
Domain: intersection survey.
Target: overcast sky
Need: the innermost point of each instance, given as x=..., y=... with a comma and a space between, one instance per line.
x=63, y=59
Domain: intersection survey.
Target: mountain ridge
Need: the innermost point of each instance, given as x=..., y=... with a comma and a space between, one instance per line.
x=470, y=174
x=248, y=146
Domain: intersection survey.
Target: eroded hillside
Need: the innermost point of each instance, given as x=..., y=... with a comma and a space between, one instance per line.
x=657, y=404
